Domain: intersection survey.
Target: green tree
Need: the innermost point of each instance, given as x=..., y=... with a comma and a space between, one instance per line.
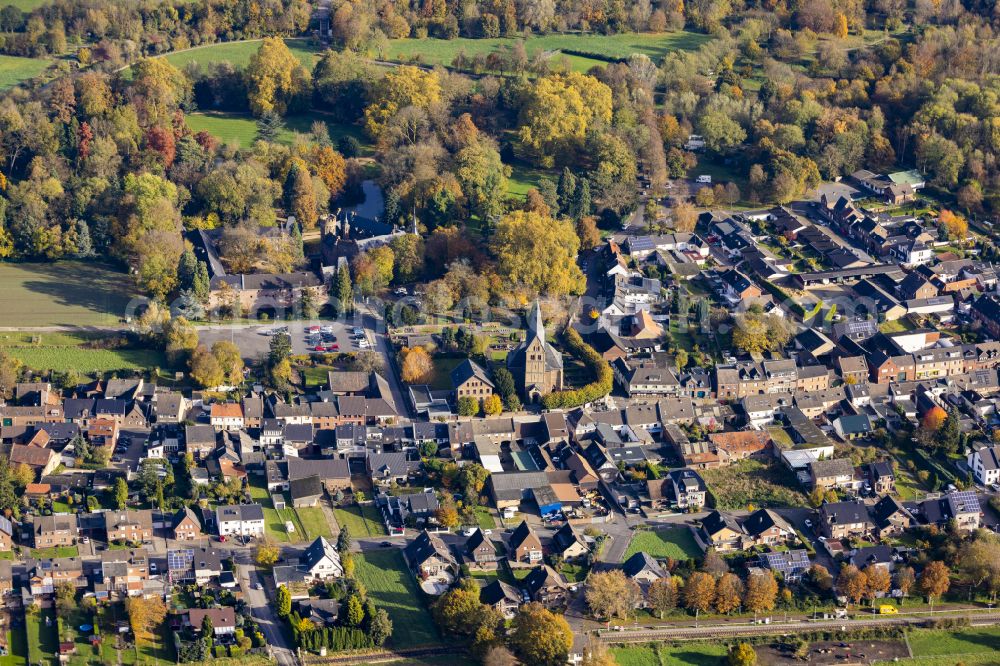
x=283, y=601
x=468, y=406
x=121, y=493
x=355, y=611
x=269, y=126
x=344, y=291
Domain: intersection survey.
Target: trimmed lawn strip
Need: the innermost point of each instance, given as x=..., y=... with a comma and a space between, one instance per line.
x=313, y=520
x=43, y=643
x=392, y=586
x=360, y=520
x=55, y=551
x=274, y=520
x=677, y=543
x=238, y=54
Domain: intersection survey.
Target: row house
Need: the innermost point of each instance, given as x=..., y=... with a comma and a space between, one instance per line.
x=17, y=415
x=129, y=526
x=123, y=573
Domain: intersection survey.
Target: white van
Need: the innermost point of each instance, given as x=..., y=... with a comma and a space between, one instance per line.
x=707, y=180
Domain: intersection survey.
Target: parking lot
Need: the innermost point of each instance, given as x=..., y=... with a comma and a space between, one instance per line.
x=255, y=341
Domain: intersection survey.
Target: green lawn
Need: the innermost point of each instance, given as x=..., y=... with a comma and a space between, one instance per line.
x=56, y=551
x=68, y=293
x=393, y=587
x=360, y=520
x=274, y=520
x=677, y=543
x=43, y=643
x=13, y=70
x=24, y=5
x=238, y=53
x=692, y=654
x=485, y=518
x=314, y=522
x=940, y=642
x=241, y=128
x=654, y=45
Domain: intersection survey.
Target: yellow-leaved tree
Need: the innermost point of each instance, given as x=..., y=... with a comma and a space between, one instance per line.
x=401, y=87
x=276, y=80
x=559, y=110
x=538, y=252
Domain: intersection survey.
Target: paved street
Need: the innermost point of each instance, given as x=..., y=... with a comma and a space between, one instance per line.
x=262, y=610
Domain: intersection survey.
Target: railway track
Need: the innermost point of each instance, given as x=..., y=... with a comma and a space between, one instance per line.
x=782, y=628
x=377, y=657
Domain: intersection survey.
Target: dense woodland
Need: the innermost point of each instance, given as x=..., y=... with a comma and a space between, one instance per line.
x=100, y=160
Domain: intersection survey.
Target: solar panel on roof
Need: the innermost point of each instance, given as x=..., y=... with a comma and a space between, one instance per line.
x=179, y=559
x=966, y=500
x=641, y=243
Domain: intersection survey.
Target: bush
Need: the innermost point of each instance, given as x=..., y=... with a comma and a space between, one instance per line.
x=598, y=388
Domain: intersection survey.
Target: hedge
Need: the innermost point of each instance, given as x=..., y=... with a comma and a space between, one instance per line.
x=598, y=388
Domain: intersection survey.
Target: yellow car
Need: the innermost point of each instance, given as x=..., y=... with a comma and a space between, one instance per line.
x=885, y=609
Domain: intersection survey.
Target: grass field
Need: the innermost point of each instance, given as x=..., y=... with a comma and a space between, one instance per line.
x=71, y=351
x=940, y=642
x=753, y=482
x=241, y=128
x=677, y=543
x=440, y=379
x=66, y=293
x=13, y=70
x=695, y=654
x=238, y=53
x=360, y=520
x=393, y=588
x=443, y=52
x=313, y=520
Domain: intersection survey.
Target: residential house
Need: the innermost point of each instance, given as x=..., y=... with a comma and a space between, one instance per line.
x=240, y=520
x=689, y=488
x=123, y=573
x=839, y=520
x=321, y=561
x=223, y=619
x=890, y=518
x=985, y=464
x=186, y=526
x=200, y=440
x=503, y=597
x=129, y=526
x=834, y=473
x=469, y=380
x=545, y=586
x=480, y=551
x=644, y=570
x=723, y=532
x=524, y=545
x=791, y=564
x=333, y=473
x=227, y=416
x=765, y=527
x=430, y=558
x=881, y=477
x=391, y=467
x=60, y=529
x=568, y=544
